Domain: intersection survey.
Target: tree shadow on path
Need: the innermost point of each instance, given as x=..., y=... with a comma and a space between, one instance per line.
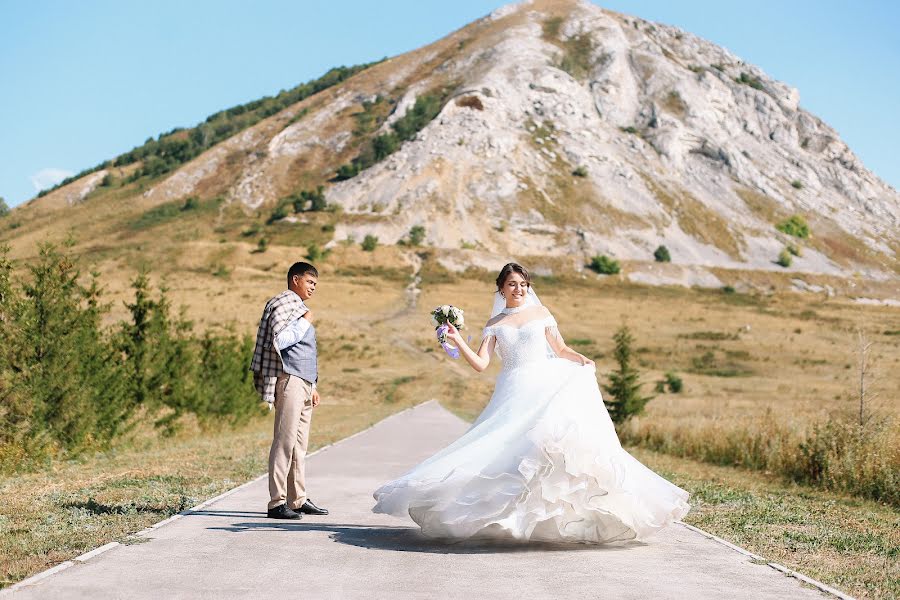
x=410, y=539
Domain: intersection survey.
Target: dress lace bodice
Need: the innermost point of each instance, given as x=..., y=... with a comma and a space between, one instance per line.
x=523, y=344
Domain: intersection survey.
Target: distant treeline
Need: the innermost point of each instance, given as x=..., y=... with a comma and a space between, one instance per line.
x=178, y=146
x=69, y=384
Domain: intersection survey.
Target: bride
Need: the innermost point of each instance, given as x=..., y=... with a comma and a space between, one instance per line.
x=542, y=461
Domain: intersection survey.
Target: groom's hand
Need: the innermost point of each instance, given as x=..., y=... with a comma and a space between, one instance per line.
x=315, y=398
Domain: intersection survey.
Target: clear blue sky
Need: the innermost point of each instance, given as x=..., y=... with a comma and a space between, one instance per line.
x=84, y=81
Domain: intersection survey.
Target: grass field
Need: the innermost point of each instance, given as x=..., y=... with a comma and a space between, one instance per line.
x=744, y=360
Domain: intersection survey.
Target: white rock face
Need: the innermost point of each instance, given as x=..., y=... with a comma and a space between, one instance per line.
x=700, y=134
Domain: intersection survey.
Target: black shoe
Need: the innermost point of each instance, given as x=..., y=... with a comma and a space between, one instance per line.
x=311, y=509
x=283, y=512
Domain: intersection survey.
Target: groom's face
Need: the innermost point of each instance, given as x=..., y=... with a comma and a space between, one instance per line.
x=305, y=285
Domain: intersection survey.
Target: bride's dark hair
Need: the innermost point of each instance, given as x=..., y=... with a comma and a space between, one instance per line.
x=510, y=268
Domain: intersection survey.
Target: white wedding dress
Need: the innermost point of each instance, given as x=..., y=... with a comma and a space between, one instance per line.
x=541, y=462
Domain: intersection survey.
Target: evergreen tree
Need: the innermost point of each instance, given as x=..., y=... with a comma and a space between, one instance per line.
x=4, y=207
x=68, y=373
x=15, y=411
x=624, y=389
x=158, y=364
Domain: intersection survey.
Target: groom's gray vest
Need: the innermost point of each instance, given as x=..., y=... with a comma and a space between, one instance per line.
x=300, y=359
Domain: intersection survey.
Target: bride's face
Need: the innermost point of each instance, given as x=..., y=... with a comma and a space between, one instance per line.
x=515, y=290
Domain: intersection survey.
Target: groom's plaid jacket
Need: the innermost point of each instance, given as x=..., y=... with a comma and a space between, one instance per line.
x=266, y=364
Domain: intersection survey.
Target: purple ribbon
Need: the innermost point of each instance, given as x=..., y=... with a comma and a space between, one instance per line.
x=450, y=350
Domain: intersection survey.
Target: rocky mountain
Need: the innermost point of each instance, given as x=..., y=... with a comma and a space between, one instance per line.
x=550, y=128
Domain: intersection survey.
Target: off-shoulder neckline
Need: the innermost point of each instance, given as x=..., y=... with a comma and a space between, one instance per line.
x=523, y=325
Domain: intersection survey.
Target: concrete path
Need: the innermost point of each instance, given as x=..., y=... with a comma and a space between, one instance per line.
x=229, y=550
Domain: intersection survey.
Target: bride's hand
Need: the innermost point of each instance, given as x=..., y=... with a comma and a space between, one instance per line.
x=586, y=362
x=453, y=334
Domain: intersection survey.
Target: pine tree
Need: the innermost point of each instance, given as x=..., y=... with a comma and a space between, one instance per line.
x=15, y=410
x=68, y=371
x=158, y=363
x=624, y=387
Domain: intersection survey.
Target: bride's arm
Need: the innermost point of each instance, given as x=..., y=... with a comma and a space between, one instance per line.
x=562, y=350
x=478, y=360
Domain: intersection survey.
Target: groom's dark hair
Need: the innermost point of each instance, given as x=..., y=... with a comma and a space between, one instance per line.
x=301, y=269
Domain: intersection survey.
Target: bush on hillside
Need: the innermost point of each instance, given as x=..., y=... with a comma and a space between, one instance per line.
x=661, y=254
x=369, y=243
x=416, y=235
x=604, y=265
x=784, y=258
x=796, y=226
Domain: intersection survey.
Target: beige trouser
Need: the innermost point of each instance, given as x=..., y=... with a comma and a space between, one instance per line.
x=293, y=414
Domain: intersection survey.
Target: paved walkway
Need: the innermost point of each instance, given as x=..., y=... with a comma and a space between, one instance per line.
x=229, y=550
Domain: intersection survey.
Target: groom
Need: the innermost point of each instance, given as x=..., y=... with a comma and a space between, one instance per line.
x=285, y=373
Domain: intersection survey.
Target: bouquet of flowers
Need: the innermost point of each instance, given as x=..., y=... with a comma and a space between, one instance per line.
x=440, y=317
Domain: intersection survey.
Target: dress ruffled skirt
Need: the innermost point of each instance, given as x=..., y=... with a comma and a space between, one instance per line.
x=543, y=463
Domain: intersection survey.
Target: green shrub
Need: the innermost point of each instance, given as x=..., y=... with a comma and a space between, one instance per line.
x=624, y=388
x=661, y=254
x=604, y=265
x=630, y=129
x=312, y=200
x=750, y=80
x=416, y=235
x=580, y=171
x=794, y=249
x=370, y=242
x=797, y=184
x=328, y=228
x=314, y=253
x=278, y=214
x=728, y=289
x=674, y=382
x=4, y=208
x=784, y=258
x=192, y=203
x=261, y=246
x=796, y=226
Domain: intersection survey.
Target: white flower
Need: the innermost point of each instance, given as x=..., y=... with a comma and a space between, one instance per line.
x=434, y=321
x=445, y=309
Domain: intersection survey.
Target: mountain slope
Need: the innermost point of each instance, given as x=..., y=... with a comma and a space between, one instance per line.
x=560, y=129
